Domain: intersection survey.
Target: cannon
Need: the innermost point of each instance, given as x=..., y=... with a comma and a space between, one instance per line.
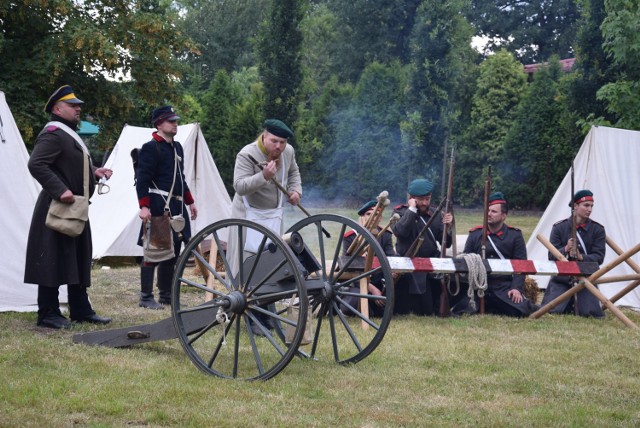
x=287, y=299
x=250, y=317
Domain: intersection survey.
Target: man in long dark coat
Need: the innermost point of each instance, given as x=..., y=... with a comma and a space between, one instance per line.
x=591, y=247
x=54, y=259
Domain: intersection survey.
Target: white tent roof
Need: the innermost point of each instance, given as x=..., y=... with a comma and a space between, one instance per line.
x=19, y=191
x=115, y=224
x=606, y=164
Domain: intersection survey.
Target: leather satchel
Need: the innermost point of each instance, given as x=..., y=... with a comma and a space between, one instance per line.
x=71, y=219
x=158, y=239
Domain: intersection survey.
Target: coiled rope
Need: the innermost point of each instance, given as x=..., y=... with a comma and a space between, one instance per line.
x=477, y=276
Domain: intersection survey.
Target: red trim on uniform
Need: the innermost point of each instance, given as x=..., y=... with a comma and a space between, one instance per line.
x=523, y=266
x=188, y=198
x=51, y=128
x=144, y=202
x=349, y=233
x=568, y=268
x=158, y=138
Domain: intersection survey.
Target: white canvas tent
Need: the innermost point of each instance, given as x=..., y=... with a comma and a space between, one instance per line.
x=608, y=165
x=19, y=193
x=115, y=224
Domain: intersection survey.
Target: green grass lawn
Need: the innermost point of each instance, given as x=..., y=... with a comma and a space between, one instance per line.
x=483, y=371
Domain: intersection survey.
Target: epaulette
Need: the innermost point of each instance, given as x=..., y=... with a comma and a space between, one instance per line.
x=595, y=222
x=51, y=128
x=475, y=228
x=349, y=233
x=512, y=228
x=397, y=207
x=558, y=222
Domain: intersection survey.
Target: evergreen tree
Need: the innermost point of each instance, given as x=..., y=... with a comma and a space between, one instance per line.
x=622, y=43
x=366, y=159
x=499, y=89
x=440, y=89
x=279, y=43
x=541, y=144
x=593, y=68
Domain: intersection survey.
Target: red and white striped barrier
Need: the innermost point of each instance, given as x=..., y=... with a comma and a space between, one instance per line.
x=492, y=266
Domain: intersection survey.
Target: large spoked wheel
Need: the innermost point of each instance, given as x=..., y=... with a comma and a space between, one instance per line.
x=232, y=319
x=341, y=328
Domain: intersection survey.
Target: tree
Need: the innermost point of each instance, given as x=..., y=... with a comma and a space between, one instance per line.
x=120, y=57
x=279, y=42
x=443, y=66
x=531, y=29
x=499, y=89
x=593, y=68
x=542, y=142
x=372, y=31
x=222, y=32
x=365, y=160
x=622, y=43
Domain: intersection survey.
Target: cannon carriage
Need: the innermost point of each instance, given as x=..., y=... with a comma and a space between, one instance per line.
x=287, y=299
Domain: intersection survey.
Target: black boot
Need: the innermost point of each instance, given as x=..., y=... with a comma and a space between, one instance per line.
x=49, y=314
x=165, y=279
x=146, y=288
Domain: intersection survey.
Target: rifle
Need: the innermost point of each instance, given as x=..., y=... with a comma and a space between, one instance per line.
x=417, y=243
x=485, y=220
x=445, y=309
x=485, y=224
x=574, y=236
x=283, y=190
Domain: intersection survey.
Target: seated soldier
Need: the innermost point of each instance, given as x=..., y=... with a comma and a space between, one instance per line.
x=505, y=293
x=376, y=285
x=590, y=246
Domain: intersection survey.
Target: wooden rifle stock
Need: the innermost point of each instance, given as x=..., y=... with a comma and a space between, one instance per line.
x=283, y=190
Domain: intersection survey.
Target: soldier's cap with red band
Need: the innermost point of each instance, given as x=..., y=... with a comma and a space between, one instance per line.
x=63, y=93
x=581, y=196
x=497, y=198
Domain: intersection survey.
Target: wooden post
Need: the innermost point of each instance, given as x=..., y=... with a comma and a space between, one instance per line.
x=632, y=285
x=213, y=257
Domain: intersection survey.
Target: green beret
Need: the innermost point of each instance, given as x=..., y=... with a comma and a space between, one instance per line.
x=581, y=196
x=420, y=187
x=278, y=128
x=63, y=93
x=367, y=206
x=497, y=198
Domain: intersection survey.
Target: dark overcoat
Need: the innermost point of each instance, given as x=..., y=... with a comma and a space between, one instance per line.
x=594, y=238
x=406, y=231
x=53, y=259
x=510, y=243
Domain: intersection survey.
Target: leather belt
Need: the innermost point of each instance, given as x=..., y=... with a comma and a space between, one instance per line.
x=165, y=194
